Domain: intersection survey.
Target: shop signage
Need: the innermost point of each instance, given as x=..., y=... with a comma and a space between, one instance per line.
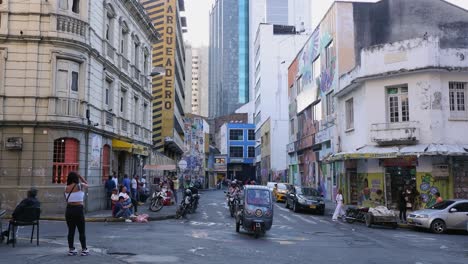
x=14, y=143
x=323, y=136
x=292, y=147
x=236, y=160
x=410, y=161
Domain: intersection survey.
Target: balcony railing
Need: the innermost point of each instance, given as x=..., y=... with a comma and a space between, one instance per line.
x=395, y=133
x=123, y=63
x=109, y=119
x=124, y=125
x=110, y=51
x=136, y=130
x=67, y=107
x=136, y=73
x=71, y=25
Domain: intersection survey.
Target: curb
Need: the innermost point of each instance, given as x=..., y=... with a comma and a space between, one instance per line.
x=105, y=219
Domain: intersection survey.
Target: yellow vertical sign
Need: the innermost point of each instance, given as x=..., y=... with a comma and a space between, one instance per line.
x=169, y=38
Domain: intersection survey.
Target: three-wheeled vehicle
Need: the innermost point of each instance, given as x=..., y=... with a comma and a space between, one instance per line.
x=255, y=212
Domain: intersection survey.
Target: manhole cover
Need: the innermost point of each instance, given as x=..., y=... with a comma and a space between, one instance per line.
x=121, y=253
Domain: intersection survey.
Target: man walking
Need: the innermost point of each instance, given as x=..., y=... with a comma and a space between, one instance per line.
x=126, y=182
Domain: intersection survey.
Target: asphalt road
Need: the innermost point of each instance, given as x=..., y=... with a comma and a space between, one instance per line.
x=209, y=237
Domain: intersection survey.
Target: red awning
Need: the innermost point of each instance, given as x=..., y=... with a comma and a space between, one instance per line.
x=170, y=167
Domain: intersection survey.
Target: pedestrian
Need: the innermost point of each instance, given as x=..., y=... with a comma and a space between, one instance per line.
x=126, y=182
x=134, y=187
x=122, y=210
x=402, y=205
x=339, y=206
x=115, y=179
x=438, y=198
x=143, y=193
x=110, y=185
x=74, y=215
x=176, y=188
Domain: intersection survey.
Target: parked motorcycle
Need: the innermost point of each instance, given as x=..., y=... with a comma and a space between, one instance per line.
x=157, y=201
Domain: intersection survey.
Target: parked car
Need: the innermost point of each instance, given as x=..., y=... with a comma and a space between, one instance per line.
x=305, y=198
x=449, y=214
x=279, y=194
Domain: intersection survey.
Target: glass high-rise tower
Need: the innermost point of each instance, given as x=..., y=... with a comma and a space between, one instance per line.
x=229, y=57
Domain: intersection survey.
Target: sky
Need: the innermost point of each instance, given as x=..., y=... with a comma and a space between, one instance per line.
x=197, y=12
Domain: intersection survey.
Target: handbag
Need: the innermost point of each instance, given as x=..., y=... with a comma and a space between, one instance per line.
x=68, y=197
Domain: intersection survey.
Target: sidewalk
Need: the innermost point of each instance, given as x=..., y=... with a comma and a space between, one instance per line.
x=167, y=212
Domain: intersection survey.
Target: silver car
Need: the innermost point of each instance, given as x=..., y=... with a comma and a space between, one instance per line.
x=449, y=214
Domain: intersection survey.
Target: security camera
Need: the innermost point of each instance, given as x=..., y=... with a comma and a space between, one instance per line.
x=95, y=124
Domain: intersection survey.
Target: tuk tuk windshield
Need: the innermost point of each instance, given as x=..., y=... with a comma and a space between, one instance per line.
x=258, y=197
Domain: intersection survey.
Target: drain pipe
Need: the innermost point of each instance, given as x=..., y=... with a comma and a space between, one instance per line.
x=88, y=114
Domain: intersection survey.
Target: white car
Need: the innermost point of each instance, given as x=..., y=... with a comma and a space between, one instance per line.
x=449, y=214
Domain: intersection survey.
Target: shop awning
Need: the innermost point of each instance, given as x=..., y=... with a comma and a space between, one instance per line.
x=167, y=167
x=140, y=150
x=375, y=152
x=367, y=152
x=120, y=145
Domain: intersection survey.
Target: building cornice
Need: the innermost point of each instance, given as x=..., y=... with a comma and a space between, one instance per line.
x=390, y=74
x=138, y=12
x=68, y=126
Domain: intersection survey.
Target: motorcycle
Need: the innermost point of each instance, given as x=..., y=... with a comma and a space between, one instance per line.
x=157, y=201
x=194, y=203
x=233, y=203
x=356, y=214
x=185, y=204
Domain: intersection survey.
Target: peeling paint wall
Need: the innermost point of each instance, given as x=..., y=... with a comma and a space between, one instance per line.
x=390, y=21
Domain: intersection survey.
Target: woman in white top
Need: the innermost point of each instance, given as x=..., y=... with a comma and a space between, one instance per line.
x=74, y=214
x=339, y=206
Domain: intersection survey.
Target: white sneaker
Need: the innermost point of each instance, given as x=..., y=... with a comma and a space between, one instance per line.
x=85, y=252
x=132, y=215
x=72, y=252
x=128, y=221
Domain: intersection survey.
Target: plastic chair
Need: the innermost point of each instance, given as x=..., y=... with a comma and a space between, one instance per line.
x=30, y=217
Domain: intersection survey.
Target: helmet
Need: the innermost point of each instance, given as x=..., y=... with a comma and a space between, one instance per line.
x=188, y=192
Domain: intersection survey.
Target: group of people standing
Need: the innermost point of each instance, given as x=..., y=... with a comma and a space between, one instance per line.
x=136, y=187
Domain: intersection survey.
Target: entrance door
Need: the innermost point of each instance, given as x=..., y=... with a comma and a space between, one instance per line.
x=400, y=177
x=121, y=164
x=353, y=186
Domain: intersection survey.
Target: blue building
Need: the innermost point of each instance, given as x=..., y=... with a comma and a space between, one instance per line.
x=240, y=149
x=229, y=57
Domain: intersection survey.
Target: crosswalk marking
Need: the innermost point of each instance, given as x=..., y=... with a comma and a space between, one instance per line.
x=288, y=218
x=305, y=219
x=281, y=208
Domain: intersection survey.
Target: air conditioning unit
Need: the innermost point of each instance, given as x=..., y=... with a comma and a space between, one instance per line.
x=440, y=171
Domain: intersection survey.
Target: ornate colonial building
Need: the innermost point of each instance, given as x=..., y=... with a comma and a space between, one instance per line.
x=75, y=95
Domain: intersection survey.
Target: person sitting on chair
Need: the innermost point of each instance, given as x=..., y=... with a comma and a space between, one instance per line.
x=29, y=202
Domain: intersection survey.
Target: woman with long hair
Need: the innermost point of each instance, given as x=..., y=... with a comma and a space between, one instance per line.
x=339, y=206
x=74, y=195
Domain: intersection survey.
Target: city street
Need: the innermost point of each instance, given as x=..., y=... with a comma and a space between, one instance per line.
x=209, y=237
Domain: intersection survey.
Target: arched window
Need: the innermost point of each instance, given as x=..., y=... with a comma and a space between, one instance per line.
x=105, y=163
x=65, y=160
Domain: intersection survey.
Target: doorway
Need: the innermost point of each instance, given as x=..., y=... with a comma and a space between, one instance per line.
x=396, y=179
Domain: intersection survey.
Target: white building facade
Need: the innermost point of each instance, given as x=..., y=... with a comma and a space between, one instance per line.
x=271, y=95
x=75, y=95
x=406, y=127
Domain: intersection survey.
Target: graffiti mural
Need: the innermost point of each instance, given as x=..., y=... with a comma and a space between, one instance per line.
x=428, y=190
x=194, y=153
x=307, y=56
